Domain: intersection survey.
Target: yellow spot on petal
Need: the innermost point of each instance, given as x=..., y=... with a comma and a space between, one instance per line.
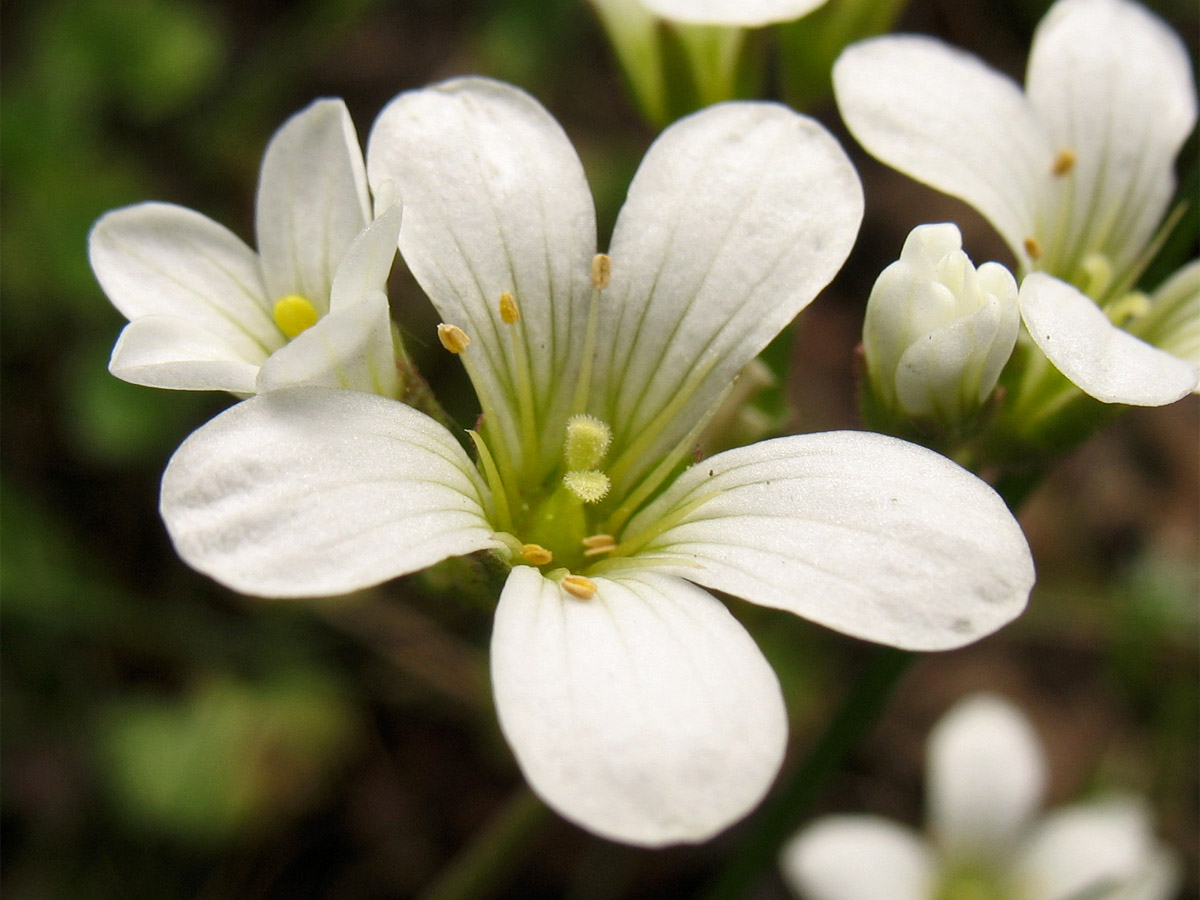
x=509, y=312
x=601, y=271
x=294, y=314
x=1034, y=248
x=590, y=487
x=453, y=338
x=536, y=554
x=578, y=586
x=1064, y=162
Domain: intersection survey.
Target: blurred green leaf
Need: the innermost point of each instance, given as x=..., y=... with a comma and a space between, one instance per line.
x=227, y=757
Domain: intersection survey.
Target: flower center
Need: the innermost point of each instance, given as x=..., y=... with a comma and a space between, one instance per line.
x=294, y=314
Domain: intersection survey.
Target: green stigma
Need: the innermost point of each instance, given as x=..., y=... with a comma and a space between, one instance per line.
x=294, y=314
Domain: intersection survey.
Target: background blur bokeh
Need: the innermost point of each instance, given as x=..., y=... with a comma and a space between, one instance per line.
x=165, y=738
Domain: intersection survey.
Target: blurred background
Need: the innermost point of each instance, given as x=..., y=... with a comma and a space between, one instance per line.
x=165, y=738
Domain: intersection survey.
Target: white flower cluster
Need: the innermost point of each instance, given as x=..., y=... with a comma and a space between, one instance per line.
x=635, y=703
x=986, y=774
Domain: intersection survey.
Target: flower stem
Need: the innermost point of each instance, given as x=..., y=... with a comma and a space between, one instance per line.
x=483, y=866
x=791, y=801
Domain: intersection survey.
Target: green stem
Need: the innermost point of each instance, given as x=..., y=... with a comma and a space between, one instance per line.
x=791, y=801
x=484, y=865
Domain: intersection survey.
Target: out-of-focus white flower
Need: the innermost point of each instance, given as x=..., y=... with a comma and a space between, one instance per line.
x=208, y=313
x=986, y=777
x=1076, y=172
x=746, y=13
x=937, y=331
x=636, y=705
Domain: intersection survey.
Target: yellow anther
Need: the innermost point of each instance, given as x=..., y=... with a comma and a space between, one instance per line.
x=587, y=442
x=509, y=312
x=578, y=586
x=590, y=487
x=601, y=271
x=1132, y=306
x=453, y=338
x=536, y=554
x=599, y=543
x=1033, y=247
x=1064, y=162
x=294, y=314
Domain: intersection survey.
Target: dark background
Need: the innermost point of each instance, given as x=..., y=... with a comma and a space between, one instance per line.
x=165, y=738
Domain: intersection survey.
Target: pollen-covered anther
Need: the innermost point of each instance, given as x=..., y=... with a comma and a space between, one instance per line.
x=536, y=555
x=598, y=544
x=578, y=586
x=601, y=271
x=294, y=314
x=589, y=487
x=1034, y=248
x=453, y=338
x=1064, y=162
x=509, y=312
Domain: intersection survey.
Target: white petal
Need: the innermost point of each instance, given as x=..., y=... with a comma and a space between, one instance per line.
x=312, y=492
x=312, y=201
x=986, y=776
x=171, y=352
x=1173, y=322
x=1112, y=83
x=1085, y=846
x=750, y=13
x=645, y=714
x=944, y=118
x=866, y=534
x=365, y=267
x=859, y=858
x=737, y=217
x=162, y=259
x=1098, y=357
x=349, y=348
x=495, y=200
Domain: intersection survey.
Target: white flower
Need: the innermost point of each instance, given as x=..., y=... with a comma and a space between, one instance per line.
x=635, y=703
x=986, y=777
x=746, y=13
x=208, y=313
x=1076, y=172
x=937, y=331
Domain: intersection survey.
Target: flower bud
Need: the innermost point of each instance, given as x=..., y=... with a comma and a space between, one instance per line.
x=937, y=331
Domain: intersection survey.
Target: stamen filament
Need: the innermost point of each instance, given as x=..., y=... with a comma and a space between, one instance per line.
x=601, y=276
x=453, y=337
x=636, y=451
x=492, y=476
x=510, y=314
x=654, y=480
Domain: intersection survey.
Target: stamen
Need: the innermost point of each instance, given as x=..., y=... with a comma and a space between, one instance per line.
x=509, y=313
x=589, y=487
x=599, y=543
x=1064, y=162
x=578, y=586
x=536, y=555
x=1131, y=306
x=1097, y=272
x=1033, y=248
x=601, y=276
x=453, y=338
x=587, y=442
x=601, y=271
x=294, y=314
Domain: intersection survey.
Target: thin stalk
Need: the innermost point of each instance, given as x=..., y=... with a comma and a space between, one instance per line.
x=791, y=801
x=486, y=863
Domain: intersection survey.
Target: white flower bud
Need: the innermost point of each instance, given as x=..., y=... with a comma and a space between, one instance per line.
x=938, y=331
